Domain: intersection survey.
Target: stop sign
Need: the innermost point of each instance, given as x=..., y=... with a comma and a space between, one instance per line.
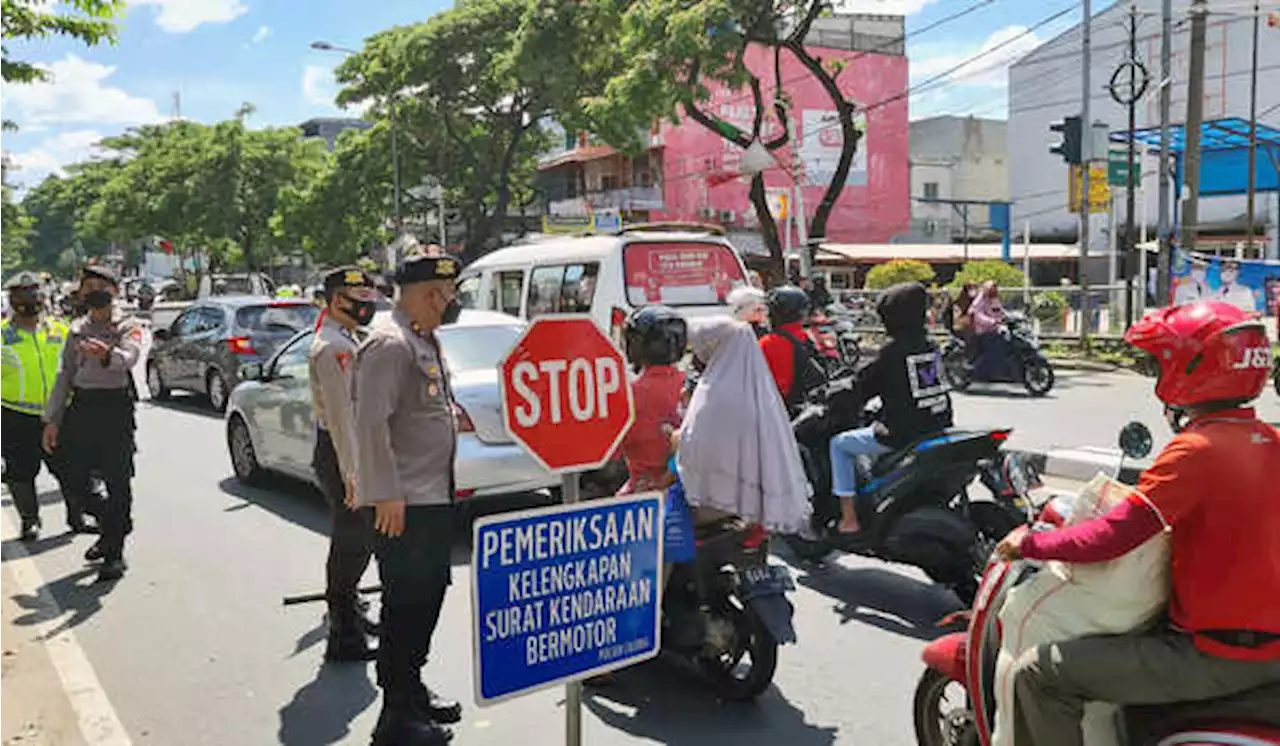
x=565, y=393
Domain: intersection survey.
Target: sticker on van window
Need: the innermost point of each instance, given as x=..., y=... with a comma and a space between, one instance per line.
x=680, y=274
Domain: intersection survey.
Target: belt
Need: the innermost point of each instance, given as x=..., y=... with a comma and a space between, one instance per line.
x=1240, y=638
x=101, y=395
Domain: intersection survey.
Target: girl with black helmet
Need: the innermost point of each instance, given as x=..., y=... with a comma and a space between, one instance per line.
x=655, y=338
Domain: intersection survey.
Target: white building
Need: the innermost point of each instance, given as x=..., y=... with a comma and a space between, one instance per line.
x=1044, y=87
x=956, y=158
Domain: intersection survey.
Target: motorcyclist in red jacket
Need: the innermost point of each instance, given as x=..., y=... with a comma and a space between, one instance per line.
x=1215, y=487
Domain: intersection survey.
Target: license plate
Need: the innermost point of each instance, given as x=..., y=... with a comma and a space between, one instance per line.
x=763, y=580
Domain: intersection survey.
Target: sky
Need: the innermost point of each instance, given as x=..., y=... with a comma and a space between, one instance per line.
x=210, y=56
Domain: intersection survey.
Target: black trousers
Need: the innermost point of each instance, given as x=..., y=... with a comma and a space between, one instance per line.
x=97, y=438
x=350, y=537
x=415, y=571
x=23, y=456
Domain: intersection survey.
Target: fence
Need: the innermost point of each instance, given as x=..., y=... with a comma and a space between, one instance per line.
x=1054, y=311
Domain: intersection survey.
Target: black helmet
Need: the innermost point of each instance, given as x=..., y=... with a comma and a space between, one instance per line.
x=787, y=305
x=903, y=307
x=655, y=335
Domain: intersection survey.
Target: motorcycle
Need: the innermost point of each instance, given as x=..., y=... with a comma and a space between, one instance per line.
x=822, y=333
x=969, y=659
x=727, y=611
x=915, y=509
x=1022, y=361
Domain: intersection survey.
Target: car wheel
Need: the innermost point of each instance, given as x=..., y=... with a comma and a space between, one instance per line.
x=244, y=459
x=155, y=382
x=216, y=387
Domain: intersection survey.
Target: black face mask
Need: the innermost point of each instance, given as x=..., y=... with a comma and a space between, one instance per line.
x=452, y=310
x=98, y=299
x=26, y=309
x=361, y=311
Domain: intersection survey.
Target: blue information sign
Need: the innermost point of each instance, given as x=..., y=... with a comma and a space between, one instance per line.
x=564, y=593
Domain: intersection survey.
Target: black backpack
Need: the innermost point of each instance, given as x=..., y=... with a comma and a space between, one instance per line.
x=809, y=373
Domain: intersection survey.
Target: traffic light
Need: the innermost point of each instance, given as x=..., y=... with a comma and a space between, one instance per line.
x=1072, y=136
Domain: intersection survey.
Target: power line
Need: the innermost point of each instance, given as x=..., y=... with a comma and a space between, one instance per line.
x=1106, y=95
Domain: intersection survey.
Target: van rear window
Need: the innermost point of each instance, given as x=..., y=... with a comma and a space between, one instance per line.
x=689, y=273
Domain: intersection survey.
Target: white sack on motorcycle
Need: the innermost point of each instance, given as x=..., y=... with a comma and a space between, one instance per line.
x=1065, y=601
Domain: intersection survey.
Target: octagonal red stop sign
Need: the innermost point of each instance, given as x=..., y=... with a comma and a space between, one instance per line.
x=566, y=396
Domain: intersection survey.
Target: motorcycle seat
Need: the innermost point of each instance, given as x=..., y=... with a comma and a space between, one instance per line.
x=888, y=461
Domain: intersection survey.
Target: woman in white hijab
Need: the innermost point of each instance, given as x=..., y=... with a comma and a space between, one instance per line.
x=736, y=452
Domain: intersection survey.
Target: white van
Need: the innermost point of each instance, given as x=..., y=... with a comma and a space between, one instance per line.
x=688, y=266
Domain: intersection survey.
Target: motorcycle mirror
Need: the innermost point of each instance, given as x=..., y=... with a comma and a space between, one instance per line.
x=1135, y=440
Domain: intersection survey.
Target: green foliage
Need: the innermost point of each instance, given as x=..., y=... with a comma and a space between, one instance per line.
x=1049, y=307
x=1004, y=275
x=899, y=270
x=16, y=231
x=90, y=21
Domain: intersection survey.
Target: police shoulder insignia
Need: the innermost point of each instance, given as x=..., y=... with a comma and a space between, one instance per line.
x=344, y=360
x=136, y=334
x=433, y=371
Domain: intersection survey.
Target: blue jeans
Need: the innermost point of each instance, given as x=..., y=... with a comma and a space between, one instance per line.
x=846, y=448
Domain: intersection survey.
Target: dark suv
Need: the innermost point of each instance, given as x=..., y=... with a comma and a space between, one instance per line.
x=203, y=349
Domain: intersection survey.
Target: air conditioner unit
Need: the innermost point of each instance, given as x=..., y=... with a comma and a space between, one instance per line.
x=728, y=216
x=930, y=227
x=708, y=212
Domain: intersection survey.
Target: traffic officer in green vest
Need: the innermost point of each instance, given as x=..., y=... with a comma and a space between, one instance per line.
x=90, y=412
x=32, y=350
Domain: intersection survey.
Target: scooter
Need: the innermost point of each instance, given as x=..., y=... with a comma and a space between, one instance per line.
x=1023, y=363
x=727, y=611
x=915, y=509
x=968, y=659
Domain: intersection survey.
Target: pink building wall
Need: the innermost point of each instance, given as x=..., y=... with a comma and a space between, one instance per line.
x=875, y=203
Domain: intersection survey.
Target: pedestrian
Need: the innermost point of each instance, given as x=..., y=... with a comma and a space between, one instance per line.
x=406, y=438
x=349, y=305
x=90, y=414
x=32, y=350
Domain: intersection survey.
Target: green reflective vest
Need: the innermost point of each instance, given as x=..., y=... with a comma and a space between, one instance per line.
x=31, y=363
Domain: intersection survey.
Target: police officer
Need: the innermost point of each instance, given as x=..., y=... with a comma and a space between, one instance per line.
x=32, y=349
x=90, y=412
x=405, y=443
x=349, y=304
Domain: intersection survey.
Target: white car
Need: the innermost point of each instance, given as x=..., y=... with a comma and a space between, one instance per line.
x=271, y=423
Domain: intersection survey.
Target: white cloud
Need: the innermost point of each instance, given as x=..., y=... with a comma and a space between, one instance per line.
x=1002, y=48
x=75, y=92
x=261, y=34
x=319, y=87
x=181, y=16
x=54, y=153
x=887, y=7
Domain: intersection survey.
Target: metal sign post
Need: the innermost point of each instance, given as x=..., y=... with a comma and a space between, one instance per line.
x=571, y=488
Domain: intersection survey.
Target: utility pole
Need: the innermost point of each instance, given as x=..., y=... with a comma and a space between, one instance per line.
x=1195, y=118
x=1253, y=133
x=1162, y=220
x=1086, y=161
x=1130, y=237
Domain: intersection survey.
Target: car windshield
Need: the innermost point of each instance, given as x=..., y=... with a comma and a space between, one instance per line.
x=277, y=317
x=478, y=347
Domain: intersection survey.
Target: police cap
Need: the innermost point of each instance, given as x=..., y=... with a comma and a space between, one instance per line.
x=101, y=272
x=425, y=268
x=23, y=281
x=350, y=276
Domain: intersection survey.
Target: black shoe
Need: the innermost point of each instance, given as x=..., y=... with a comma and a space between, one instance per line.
x=435, y=708
x=78, y=526
x=93, y=553
x=402, y=726
x=112, y=569
x=30, y=529
x=349, y=647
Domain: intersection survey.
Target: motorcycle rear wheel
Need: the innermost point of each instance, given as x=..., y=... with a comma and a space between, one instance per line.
x=933, y=726
x=732, y=683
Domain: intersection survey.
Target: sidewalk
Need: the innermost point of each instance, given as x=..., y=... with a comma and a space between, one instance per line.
x=36, y=711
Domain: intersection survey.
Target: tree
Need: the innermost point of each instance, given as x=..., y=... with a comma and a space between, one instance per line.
x=667, y=54
x=17, y=231
x=59, y=208
x=978, y=272
x=898, y=270
x=467, y=89
x=90, y=21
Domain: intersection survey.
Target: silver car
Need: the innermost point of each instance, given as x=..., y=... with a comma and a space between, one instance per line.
x=271, y=424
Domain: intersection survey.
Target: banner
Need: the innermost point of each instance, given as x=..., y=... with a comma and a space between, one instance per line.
x=822, y=142
x=1250, y=285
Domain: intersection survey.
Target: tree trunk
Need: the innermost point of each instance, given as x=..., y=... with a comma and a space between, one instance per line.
x=776, y=269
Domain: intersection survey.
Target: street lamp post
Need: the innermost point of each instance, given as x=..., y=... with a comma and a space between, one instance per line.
x=325, y=46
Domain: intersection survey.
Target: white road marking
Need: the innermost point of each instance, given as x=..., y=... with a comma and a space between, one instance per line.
x=96, y=718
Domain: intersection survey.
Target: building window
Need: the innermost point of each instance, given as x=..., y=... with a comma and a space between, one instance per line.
x=609, y=182
x=931, y=190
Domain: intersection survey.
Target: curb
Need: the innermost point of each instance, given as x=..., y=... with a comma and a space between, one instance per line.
x=1066, y=363
x=1082, y=464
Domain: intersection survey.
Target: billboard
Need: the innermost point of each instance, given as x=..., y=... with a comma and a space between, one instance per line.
x=1250, y=285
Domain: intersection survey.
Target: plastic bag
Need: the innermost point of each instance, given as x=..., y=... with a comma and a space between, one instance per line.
x=679, y=544
x=1065, y=601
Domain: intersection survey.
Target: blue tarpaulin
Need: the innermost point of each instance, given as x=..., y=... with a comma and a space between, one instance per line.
x=1224, y=154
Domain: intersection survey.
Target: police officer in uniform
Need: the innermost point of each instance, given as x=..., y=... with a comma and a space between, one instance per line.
x=90, y=412
x=405, y=443
x=32, y=350
x=349, y=304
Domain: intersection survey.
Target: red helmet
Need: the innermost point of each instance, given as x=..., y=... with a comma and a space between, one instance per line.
x=1208, y=351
